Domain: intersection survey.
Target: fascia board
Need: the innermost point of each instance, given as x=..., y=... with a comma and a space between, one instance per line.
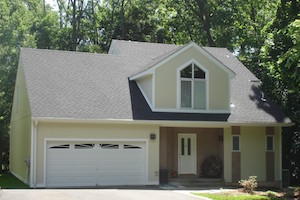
x=175, y=123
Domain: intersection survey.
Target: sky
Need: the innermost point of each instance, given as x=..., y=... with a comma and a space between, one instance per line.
x=52, y=3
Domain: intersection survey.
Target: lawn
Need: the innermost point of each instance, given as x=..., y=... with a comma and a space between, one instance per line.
x=238, y=196
x=8, y=181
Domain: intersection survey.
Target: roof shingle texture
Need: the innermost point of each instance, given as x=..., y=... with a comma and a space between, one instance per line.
x=64, y=84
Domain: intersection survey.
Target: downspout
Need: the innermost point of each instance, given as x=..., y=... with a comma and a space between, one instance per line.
x=280, y=157
x=33, y=154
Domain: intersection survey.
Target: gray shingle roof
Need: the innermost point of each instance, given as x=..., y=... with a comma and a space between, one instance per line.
x=64, y=84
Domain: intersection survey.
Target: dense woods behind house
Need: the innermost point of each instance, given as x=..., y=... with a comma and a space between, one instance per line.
x=263, y=34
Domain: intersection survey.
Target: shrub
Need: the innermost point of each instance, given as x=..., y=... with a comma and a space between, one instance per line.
x=249, y=185
x=212, y=167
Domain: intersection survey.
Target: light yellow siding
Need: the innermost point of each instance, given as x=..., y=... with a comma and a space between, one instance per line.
x=253, y=152
x=253, y=146
x=69, y=131
x=227, y=155
x=277, y=142
x=166, y=81
x=146, y=85
x=20, y=137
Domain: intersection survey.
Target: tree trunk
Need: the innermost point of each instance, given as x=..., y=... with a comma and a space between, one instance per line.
x=206, y=27
x=60, y=7
x=123, y=32
x=94, y=23
x=44, y=7
x=74, y=35
x=202, y=12
x=80, y=7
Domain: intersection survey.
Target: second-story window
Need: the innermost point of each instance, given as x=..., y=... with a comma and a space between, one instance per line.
x=193, y=87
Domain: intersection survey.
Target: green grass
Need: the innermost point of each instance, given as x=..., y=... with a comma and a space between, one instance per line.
x=8, y=181
x=237, y=197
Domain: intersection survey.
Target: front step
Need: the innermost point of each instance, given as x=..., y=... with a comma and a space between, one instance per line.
x=197, y=182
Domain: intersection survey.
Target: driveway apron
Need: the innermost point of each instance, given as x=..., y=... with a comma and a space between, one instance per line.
x=93, y=194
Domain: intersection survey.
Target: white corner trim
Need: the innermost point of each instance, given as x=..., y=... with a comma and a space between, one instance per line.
x=280, y=157
x=145, y=96
x=31, y=154
x=35, y=152
x=229, y=87
x=45, y=162
x=176, y=53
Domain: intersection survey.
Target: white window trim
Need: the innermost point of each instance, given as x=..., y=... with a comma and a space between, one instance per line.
x=239, y=143
x=272, y=143
x=192, y=79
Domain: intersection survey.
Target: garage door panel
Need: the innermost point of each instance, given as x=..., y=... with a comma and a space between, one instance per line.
x=83, y=168
x=59, y=154
x=95, y=163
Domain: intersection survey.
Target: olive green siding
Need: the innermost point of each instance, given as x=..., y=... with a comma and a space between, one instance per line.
x=20, y=130
x=227, y=155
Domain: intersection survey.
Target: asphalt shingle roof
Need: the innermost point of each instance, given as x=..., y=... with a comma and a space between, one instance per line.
x=64, y=84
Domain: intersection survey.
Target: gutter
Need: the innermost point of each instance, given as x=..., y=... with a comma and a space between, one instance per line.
x=174, y=123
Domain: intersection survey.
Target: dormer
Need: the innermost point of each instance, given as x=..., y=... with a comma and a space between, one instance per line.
x=189, y=80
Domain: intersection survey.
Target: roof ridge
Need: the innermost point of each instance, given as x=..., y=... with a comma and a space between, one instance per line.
x=69, y=52
x=144, y=42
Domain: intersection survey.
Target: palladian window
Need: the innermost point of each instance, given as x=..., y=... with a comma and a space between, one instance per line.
x=193, y=87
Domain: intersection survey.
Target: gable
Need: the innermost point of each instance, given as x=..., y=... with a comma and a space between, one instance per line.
x=21, y=106
x=167, y=81
x=166, y=95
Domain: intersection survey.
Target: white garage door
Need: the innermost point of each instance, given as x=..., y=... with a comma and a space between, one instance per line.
x=95, y=163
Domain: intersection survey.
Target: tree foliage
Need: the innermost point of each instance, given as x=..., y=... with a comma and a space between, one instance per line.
x=280, y=59
x=264, y=34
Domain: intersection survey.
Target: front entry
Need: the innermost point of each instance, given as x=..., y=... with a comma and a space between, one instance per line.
x=187, y=154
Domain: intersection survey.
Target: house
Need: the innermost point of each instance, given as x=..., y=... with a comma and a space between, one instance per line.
x=84, y=119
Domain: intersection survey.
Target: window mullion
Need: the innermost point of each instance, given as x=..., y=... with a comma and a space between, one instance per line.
x=192, y=93
x=192, y=89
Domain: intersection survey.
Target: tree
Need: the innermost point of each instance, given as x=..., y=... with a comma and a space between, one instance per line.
x=15, y=24
x=280, y=59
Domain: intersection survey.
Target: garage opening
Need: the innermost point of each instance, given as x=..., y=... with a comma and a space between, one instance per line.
x=71, y=164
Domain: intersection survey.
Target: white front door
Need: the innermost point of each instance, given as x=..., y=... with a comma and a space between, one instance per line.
x=187, y=154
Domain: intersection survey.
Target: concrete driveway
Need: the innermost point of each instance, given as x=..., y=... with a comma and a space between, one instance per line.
x=93, y=194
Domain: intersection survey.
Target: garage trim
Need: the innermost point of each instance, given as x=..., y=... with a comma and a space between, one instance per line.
x=46, y=140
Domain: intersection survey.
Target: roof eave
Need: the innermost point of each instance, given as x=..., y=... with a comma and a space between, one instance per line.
x=173, y=123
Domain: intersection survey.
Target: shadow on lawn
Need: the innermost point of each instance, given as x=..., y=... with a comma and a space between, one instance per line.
x=8, y=181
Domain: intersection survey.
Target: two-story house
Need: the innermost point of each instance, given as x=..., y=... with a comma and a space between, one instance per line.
x=84, y=119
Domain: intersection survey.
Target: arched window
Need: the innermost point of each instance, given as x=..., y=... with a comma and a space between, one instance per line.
x=193, y=87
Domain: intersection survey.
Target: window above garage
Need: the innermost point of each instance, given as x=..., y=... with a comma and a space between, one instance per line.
x=190, y=80
x=192, y=89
